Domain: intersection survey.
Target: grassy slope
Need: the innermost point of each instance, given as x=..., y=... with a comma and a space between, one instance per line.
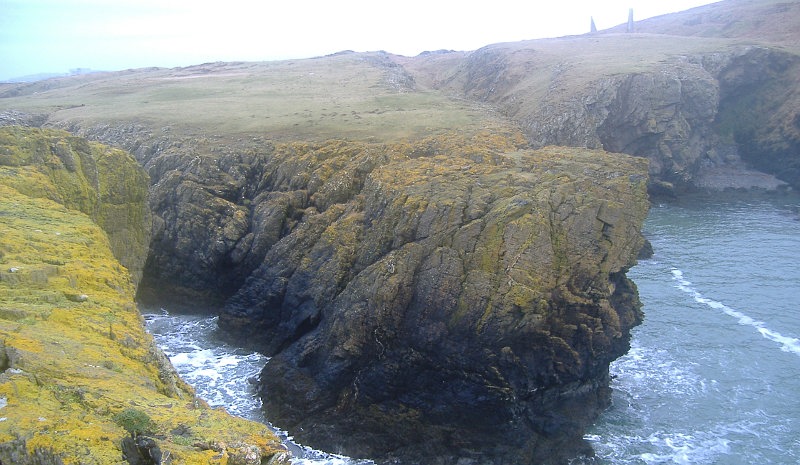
x=351, y=96
x=70, y=364
x=364, y=96
x=770, y=21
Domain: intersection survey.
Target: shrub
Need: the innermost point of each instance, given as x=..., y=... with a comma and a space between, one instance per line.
x=135, y=421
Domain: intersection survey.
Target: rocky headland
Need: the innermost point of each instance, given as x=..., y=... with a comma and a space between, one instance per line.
x=433, y=249
x=454, y=310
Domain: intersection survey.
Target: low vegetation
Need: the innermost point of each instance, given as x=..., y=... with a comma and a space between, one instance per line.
x=79, y=372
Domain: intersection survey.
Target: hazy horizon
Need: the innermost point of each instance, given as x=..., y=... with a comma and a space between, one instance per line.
x=56, y=36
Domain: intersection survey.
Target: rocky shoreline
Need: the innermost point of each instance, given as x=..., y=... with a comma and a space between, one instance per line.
x=433, y=249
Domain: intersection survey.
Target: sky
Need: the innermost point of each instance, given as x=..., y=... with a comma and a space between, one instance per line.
x=39, y=36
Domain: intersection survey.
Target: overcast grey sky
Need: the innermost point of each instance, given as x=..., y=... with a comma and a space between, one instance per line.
x=59, y=35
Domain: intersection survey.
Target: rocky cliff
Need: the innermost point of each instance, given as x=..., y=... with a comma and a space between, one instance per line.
x=691, y=106
x=78, y=373
x=96, y=180
x=377, y=273
x=454, y=309
x=429, y=272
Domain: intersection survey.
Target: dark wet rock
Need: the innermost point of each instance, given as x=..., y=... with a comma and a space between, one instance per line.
x=141, y=450
x=452, y=309
x=646, y=251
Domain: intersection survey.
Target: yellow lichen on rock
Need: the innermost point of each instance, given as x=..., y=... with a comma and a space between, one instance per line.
x=74, y=353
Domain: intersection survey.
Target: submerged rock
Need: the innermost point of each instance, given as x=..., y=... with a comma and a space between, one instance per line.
x=452, y=309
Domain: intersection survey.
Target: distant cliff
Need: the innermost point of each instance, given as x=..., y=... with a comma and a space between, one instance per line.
x=78, y=373
x=693, y=107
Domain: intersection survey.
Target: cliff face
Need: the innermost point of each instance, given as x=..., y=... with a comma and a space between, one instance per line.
x=78, y=372
x=688, y=105
x=453, y=308
x=104, y=183
x=376, y=273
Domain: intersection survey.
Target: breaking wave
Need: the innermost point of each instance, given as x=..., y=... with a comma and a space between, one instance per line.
x=788, y=344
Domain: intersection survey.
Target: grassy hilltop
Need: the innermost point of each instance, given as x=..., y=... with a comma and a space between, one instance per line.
x=348, y=95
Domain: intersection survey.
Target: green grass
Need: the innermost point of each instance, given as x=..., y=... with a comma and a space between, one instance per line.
x=343, y=96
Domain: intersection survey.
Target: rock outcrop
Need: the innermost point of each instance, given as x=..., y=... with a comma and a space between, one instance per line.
x=456, y=297
x=453, y=309
x=78, y=372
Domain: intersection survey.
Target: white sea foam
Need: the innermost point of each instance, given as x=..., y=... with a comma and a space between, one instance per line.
x=682, y=448
x=648, y=371
x=788, y=344
x=220, y=374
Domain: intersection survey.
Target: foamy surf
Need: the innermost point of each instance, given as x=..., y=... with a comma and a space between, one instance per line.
x=788, y=344
x=222, y=375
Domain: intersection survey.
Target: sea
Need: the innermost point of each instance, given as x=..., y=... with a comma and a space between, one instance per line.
x=713, y=374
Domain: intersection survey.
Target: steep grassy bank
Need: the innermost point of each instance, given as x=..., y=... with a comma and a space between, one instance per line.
x=79, y=373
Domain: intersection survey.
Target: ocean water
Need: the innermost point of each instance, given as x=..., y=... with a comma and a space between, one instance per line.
x=223, y=375
x=713, y=375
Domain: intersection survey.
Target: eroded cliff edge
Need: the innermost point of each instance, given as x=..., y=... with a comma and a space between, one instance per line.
x=78, y=372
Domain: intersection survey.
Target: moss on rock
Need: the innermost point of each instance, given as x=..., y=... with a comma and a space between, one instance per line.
x=71, y=367
x=105, y=183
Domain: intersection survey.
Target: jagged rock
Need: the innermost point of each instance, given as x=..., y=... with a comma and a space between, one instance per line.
x=141, y=450
x=455, y=309
x=68, y=370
